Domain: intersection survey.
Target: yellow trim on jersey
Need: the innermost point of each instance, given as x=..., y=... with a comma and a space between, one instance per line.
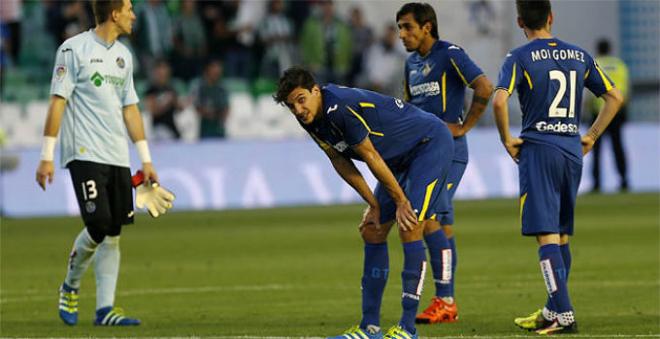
x=513, y=78
x=444, y=92
x=365, y=123
x=529, y=80
x=367, y=104
x=449, y=186
x=586, y=75
x=427, y=198
x=459, y=71
x=522, y=205
x=553, y=44
x=324, y=145
x=608, y=84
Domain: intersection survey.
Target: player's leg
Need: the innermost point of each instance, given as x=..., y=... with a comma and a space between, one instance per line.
x=564, y=321
x=106, y=265
x=88, y=183
x=442, y=256
x=425, y=188
x=375, y=270
x=539, y=214
x=542, y=207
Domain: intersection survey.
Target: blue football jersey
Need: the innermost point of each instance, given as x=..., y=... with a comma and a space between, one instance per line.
x=349, y=115
x=549, y=76
x=436, y=83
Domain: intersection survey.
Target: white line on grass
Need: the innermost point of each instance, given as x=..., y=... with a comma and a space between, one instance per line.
x=160, y=291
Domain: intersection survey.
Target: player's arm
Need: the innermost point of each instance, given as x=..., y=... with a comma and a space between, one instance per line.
x=501, y=111
x=613, y=101
x=472, y=76
x=135, y=127
x=46, y=169
x=483, y=89
x=405, y=216
x=351, y=175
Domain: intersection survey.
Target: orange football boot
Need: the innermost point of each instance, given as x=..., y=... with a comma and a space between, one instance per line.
x=438, y=312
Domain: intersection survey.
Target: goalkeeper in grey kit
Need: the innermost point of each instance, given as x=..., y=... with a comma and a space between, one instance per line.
x=93, y=98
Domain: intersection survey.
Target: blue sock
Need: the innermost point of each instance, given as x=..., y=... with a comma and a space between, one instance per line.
x=374, y=278
x=454, y=262
x=414, y=267
x=566, y=256
x=554, y=274
x=440, y=256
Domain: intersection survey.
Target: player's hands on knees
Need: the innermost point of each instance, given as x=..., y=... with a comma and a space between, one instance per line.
x=587, y=144
x=456, y=130
x=406, y=217
x=370, y=218
x=45, y=171
x=150, y=175
x=513, y=148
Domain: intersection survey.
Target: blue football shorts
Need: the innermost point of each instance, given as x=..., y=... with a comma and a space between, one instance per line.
x=549, y=183
x=424, y=180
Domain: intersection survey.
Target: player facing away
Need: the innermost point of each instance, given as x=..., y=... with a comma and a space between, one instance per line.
x=408, y=150
x=436, y=75
x=549, y=76
x=93, y=98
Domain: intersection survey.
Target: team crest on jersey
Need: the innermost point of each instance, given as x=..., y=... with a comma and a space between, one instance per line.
x=60, y=72
x=427, y=69
x=340, y=146
x=90, y=207
x=120, y=62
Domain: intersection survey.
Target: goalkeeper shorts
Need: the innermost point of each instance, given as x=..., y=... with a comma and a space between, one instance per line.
x=104, y=193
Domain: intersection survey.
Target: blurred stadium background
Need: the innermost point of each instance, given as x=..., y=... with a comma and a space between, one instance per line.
x=252, y=154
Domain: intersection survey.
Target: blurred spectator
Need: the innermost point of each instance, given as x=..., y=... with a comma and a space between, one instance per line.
x=482, y=16
x=211, y=101
x=5, y=59
x=616, y=69
x=162, y=102
x=383, y=60
x=68, y=18
x=153, y=33
x=276, y=35
x=326, y=45
x=223, y=39
x=11, y=12
x=362, y=38
x=298, y=11
x=189, y=42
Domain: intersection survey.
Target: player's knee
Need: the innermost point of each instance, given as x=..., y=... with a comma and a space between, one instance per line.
x=416, y=233
x=449, y=231
x=374, y=235
x=431, y=226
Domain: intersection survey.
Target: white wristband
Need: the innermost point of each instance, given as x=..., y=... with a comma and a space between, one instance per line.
x=48, y=148
x=143, y=151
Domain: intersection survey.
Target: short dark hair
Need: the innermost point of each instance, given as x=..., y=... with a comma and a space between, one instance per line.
x=423, y=13
x=293, y=78
x=534, y=13
x=103, y=9
x=603, y=47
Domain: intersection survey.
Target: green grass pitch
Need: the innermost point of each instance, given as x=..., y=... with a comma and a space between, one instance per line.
x=296, y=272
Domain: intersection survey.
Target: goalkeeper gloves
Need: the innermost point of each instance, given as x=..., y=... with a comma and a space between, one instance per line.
x=155, y=198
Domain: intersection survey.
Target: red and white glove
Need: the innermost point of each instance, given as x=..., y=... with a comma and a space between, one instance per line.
x=155, y=198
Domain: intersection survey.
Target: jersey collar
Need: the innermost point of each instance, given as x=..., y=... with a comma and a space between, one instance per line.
x=101, y=41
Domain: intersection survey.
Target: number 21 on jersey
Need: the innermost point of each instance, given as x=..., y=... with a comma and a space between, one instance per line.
x=561, y=112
